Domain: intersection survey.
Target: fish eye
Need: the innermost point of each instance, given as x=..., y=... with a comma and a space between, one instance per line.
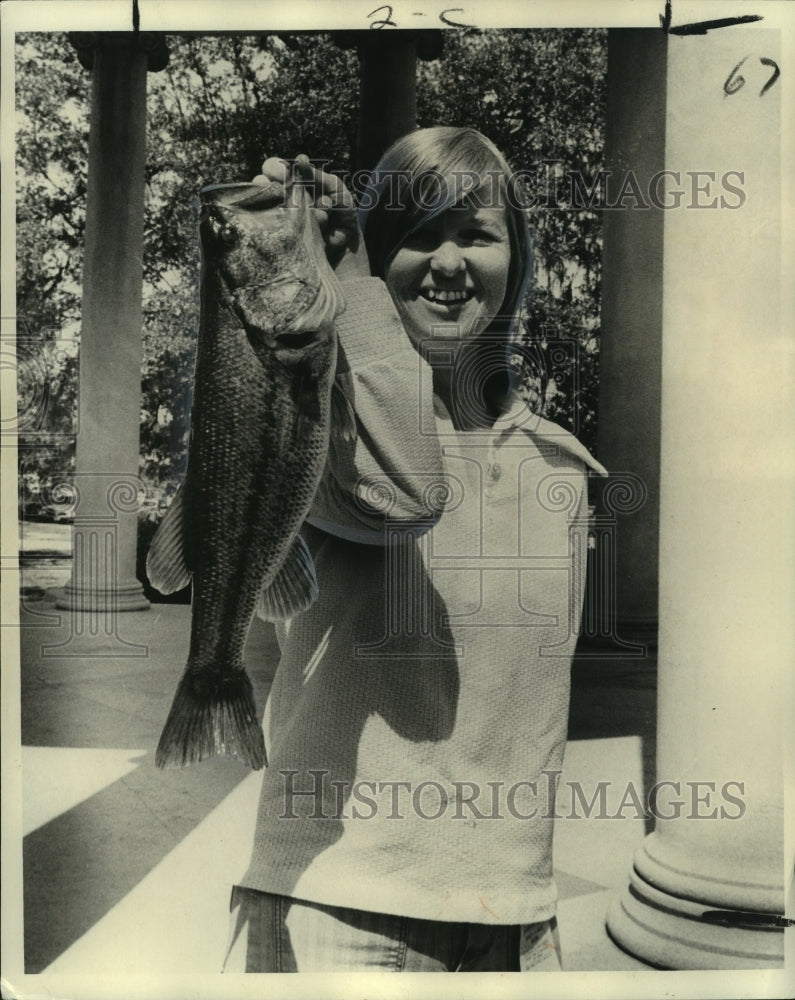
x=227, y=234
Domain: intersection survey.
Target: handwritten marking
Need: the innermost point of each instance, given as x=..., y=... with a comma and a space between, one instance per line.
x=385, y=22
x=734, y=83
x=735, y=918
x=732, y=86
x=723, y=22
x=388, y=22
x=702, y=27
x=773, y=78
x=480, y=898
x=453, y=24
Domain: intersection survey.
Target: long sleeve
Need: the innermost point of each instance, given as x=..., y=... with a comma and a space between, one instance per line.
x=389, y=467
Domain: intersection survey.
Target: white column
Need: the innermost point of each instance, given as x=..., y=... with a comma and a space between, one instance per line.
x=707, y=889
x=103, y=580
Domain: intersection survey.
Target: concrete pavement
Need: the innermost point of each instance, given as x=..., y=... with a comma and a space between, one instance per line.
x=129, y=867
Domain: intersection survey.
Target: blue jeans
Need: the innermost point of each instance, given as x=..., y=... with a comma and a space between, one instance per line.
x=272, y=933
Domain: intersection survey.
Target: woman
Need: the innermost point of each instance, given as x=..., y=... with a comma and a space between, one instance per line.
x=417, y=720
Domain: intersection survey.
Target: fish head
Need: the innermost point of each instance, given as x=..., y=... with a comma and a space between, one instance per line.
x=246, y=231
x=268, y=255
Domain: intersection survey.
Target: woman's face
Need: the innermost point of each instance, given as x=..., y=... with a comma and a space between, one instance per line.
x=448, y=279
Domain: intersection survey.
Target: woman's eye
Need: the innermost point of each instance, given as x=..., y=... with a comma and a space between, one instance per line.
x=421, y=239
x=478, y=236
x=429, y=237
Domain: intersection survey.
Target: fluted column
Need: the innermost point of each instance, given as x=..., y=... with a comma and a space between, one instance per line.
x=631, y=338
x=707, y=886
x=103, y=579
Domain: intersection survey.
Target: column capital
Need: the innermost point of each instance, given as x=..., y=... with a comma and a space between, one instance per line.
x=429, y=42
x=153, y=43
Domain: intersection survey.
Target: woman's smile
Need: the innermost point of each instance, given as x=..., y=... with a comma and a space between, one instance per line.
x=446, y=297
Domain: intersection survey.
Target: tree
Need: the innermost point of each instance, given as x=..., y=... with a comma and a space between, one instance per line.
x=52, y=146
x=224, y=103
x=51, y=168
x=540, y=96
x=221, y=106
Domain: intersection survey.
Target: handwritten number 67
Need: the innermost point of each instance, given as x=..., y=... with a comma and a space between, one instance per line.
x=736, y=81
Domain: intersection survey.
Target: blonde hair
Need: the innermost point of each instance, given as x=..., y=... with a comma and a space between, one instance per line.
x=426, y=172
x=422, y=175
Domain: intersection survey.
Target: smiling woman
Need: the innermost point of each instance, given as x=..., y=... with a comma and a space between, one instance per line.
x=444, y=227
x=423, y=675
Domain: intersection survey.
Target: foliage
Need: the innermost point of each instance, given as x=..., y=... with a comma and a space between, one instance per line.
x=52, y=151
x=540, y=96
x=219, y=108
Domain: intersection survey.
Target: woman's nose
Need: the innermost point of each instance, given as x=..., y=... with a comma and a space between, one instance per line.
x=448, y=258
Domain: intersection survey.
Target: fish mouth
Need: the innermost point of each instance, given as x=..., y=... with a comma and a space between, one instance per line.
x=243, y=196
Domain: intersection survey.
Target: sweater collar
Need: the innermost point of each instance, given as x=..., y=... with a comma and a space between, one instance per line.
x=517, y=415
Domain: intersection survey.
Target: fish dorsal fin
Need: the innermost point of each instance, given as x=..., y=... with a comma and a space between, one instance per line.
x=294, y=589
x=166, y=565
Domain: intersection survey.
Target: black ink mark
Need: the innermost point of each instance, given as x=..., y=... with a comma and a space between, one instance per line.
x=773, y=78
x=740, y=918
x=702, y=27
x=453, y=24
x=723, y=22
x=731, y=86
x=136, y=16
x=386, y=22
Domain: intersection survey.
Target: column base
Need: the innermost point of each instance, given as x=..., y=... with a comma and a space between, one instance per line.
x=125, y=596
x=669, y=932
x=636, y=629
x=93, y=627
x=621, y=638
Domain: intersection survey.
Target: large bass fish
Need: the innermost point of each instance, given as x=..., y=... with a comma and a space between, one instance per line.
x=260, y=423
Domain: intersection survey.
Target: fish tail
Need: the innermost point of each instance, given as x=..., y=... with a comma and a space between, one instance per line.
x=212, y=715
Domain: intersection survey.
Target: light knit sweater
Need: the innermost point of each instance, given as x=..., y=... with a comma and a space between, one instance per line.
x=417, y=720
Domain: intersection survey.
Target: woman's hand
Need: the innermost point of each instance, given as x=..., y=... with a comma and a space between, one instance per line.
x=334, y=209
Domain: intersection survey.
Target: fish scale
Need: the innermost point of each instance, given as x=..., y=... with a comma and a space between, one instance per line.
x=260, y=427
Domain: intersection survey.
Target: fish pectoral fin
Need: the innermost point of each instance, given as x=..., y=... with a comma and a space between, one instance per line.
x=343, y=419
x=294, y=589
x=165, y=562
